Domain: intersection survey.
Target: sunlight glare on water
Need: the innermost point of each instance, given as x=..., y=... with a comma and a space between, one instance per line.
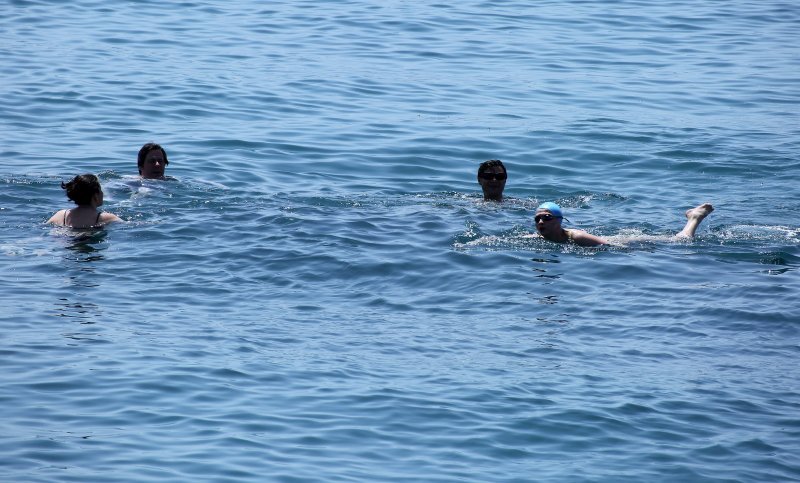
x=318, y=292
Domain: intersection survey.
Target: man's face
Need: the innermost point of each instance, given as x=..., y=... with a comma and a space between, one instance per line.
x=493, y=181
x=154, y=165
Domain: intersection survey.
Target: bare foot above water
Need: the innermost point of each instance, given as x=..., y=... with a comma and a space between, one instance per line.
x=699, y=212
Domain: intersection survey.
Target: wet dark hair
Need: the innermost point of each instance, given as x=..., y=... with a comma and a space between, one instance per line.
x=82, y=188
x=489, y=164
x=146, y=149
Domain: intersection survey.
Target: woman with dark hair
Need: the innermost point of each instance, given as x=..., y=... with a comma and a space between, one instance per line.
x=86, y=192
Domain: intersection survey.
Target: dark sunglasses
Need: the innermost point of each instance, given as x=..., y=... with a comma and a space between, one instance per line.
x=497, y=176
x=544, y=217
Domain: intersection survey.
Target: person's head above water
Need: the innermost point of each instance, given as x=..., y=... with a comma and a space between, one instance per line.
x=492, y=178
x=152, y=161
x=548, y=220
x=83, y=189
x=86, y=192
x=552, y=208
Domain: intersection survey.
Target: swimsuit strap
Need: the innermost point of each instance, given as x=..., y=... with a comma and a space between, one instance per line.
x=97, y=221
x=65, y=217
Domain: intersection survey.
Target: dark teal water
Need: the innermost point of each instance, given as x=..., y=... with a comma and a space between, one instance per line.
x=319, y=294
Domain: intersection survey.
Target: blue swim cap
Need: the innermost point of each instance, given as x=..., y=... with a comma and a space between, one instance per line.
x=552, y=208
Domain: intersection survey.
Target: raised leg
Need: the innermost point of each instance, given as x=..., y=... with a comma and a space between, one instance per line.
x=693, y=218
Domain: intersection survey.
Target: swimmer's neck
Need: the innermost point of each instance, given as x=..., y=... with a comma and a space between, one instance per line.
x=561, y=237
x=90, y=207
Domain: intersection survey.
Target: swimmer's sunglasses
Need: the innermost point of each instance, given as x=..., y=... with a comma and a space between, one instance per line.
x=545, y=217
x=497, y=176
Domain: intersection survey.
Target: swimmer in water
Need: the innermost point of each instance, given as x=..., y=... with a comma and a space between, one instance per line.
x=492, y=178
x=86, y=192
x=548, y=223
x=152, y=161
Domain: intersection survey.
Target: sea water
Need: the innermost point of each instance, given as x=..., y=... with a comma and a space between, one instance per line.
x=318, y=292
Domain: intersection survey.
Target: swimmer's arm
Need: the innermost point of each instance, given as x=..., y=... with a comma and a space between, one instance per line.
x=584, y=239
x=109, y=218
x=57, y=218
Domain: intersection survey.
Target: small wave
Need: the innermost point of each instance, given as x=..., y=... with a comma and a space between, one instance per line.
x=757, y=233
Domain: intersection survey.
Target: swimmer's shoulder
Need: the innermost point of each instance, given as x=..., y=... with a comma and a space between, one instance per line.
x=106, y=218
x=584, y=239
x=58, y=218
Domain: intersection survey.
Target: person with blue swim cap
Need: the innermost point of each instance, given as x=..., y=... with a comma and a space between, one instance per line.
x=549, y=215
x=548, y=223
x=553, y=208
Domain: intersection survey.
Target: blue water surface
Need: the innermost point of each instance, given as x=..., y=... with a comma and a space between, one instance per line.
x=318, y=291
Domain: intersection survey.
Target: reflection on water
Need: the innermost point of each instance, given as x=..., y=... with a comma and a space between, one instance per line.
x=548, y=299
x=83, y=312
x=542, y=271
x=88, y=244
x=82, y=251
x=83, y=248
